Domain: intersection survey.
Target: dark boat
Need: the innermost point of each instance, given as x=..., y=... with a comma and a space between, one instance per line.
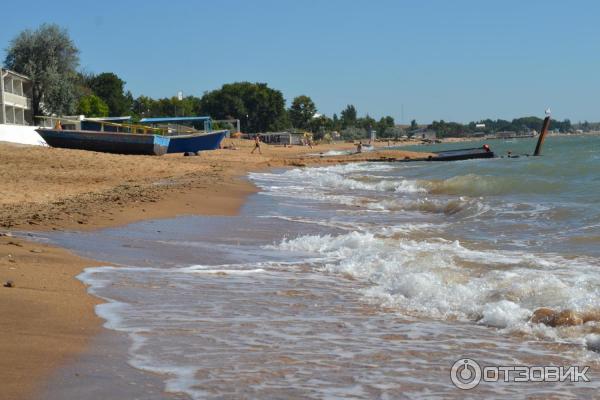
x=446, y=155
x=105, y=136
x=462, y=154
x=107, y=142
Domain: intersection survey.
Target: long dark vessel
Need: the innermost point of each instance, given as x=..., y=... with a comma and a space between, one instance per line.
x=107, y=142
x=463, y=154
x=103, y=136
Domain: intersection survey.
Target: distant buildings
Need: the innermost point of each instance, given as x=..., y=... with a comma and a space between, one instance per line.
x=283, y=138
x=424, y=134
x=15, y=98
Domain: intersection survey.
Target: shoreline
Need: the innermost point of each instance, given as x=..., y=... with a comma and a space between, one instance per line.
x=55, y=189
x=47, y=317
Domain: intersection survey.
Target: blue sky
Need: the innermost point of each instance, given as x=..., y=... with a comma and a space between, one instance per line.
x=453, y=60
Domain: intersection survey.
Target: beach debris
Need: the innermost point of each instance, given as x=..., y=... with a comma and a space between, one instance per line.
x=544, y=316
x=554, y=318
x=36, y=251
x=11, y=243
x=9, y=284
x=568, y=318
x=6, y=234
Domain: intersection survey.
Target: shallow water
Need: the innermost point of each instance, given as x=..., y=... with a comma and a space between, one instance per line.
x=365, y=280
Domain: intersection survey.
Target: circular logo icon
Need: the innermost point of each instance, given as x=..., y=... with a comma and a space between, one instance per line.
x=465, y=374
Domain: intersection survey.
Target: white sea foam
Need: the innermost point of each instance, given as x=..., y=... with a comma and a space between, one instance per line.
x=592, y=342
x=332, y=153
x=444, y=279
x=335, y=177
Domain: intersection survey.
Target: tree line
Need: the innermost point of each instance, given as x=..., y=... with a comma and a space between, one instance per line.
x=50, y=58
x=523, y=124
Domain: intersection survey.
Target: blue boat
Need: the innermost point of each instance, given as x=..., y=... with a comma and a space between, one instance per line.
x=109, y=137
x=182, y=140
x=196, y=143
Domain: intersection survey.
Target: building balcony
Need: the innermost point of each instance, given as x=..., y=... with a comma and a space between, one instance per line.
x=11, y=99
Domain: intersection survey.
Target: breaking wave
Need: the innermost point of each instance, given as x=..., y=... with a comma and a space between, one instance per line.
x=443, y=279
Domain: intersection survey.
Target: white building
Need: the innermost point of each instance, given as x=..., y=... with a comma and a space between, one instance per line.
x=15, y=98
x=16, y=115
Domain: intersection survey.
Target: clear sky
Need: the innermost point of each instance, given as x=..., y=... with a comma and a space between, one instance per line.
x=453, y=60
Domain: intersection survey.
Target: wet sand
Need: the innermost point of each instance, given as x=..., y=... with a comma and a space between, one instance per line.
x=47, y=317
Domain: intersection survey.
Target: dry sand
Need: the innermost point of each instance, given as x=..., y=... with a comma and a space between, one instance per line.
x=47, y=316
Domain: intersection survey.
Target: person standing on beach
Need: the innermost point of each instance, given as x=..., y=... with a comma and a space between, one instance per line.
x=359, y=147
x=256, y=145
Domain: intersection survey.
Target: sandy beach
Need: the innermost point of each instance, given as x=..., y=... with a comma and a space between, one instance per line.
x=47, y=315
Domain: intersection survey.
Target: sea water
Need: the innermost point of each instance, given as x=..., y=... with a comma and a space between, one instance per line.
x=366, y=280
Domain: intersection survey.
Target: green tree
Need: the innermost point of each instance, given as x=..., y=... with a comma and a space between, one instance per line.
x=353, y=133
x=92, y=106
x=337, y=125
x=49, y=57
x=258, y=107
x=413, y=125
x=143, y=107
x=367, y=123
x=348, y=116
x=384, y=124
x=320, y=125
x=302, y=111
x=111, y=89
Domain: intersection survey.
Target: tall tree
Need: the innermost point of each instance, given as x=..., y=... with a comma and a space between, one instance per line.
x=49, y=57
x=302, y=111
x=348, y=116
x=111, y=89
x=258, y=107
x=336, y=125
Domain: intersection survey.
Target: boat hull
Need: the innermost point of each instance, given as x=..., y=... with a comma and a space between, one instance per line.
x=119, y=143
x=462, y=154
x=196, y=143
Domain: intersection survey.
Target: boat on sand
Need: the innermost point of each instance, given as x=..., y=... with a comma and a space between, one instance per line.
x=109, y=137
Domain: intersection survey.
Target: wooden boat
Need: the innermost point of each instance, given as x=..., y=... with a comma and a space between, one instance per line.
x=105, y=136
x=107, y=142
x=131, y=143
x=195, y=143
x=447, y=155
x=462, y=154
x=184, y=139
